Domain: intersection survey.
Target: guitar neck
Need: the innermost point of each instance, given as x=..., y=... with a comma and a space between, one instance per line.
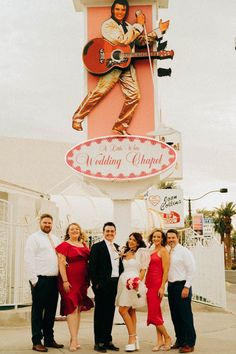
x=163, y=54
x=143, y=55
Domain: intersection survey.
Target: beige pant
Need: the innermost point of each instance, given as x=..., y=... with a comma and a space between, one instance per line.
x=130, y=89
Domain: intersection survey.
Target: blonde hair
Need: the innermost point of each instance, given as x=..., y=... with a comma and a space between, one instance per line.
x=82, y=237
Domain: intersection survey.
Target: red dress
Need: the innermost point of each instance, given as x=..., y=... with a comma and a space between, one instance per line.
x=77, y=274
x=153, y=284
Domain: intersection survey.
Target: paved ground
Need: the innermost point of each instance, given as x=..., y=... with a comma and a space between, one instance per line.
x=216, y=331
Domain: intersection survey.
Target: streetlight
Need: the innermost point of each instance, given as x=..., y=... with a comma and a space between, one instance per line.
x=189, y=200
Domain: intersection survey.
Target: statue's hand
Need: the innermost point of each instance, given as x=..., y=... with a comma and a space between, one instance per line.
x=164, y=25
x=140, y=18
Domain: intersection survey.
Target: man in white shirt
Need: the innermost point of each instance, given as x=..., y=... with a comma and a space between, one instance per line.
x=42, y=268
x=180, y=278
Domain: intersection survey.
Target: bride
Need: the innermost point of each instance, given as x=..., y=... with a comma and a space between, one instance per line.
x=131, y=292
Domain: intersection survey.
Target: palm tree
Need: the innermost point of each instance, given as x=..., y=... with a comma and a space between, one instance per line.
x=223, y=225
x=166, y=185
x=219, y=226
x=206, y=213
x=234, y=247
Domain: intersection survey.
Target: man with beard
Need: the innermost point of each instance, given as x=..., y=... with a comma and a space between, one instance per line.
x=42, y=268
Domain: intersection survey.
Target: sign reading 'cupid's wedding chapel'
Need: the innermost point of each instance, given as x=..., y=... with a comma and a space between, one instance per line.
x=121, y=157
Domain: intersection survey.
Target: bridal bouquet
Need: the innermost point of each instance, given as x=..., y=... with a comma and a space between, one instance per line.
x=133, y=284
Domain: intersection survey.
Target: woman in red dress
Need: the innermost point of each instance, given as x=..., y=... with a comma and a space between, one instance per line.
x=73, y=280
x=157, y=275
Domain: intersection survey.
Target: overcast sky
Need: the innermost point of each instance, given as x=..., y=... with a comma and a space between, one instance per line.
x=42, y=82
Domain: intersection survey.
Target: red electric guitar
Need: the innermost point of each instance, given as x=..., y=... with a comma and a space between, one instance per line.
x=100, y=56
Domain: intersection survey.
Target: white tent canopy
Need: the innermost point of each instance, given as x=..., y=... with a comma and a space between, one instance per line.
x=38, y=167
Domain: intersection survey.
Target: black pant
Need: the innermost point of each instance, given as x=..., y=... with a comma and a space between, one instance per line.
x=181, y=314
x=104, y=311
x=44, y=305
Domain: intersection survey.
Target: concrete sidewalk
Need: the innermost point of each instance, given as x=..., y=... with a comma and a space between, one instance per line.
x=216, y=331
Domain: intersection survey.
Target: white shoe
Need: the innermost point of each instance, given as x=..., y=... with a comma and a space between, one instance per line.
x=130, y=347
x=137, y=346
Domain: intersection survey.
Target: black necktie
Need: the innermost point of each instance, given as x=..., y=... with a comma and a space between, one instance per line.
x=124, y=26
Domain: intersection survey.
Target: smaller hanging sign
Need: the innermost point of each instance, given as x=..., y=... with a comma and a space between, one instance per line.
x=166, y=206
x=121, y=157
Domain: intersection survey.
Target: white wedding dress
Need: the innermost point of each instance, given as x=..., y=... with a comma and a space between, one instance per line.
x=132, y=266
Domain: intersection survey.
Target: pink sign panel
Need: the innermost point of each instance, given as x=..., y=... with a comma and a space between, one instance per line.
x=121, y=157
x=104, y=115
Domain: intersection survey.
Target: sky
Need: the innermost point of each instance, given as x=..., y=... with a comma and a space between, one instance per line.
x=42, y=83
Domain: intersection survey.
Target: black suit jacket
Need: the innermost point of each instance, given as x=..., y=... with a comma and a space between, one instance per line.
x=100, y=266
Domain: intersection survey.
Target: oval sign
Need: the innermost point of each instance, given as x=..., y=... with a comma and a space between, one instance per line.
x=121, y=157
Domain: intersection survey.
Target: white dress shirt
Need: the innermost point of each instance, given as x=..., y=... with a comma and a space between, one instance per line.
x=182, y=265
x=114, y=259
x=40, y=257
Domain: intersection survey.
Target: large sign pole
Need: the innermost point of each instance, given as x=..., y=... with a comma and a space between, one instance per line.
x=121, y=166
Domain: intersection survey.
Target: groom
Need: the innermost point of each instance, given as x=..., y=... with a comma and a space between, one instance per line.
x=105, y=267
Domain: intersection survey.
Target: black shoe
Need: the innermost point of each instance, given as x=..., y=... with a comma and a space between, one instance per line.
x=53, y=344
x=176, y=346
x=100, y=347
x=111, y=346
